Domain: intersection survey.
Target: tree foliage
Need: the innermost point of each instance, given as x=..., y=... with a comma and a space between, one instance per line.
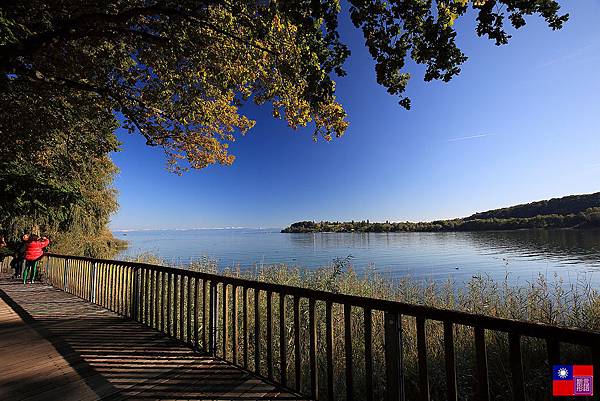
x=571, y=204
x=56, y=178
x=179, y=71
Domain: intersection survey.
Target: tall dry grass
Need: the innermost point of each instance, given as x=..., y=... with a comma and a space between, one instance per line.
x=547, y=300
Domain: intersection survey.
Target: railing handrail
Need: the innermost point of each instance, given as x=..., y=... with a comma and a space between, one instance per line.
x=529, y=329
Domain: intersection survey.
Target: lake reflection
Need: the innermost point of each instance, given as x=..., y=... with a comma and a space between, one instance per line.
x=571, y=254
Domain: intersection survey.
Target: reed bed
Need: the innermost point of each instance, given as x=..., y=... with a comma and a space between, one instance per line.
x=547, y=300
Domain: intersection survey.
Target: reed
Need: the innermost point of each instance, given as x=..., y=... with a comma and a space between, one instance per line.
x=548, y=300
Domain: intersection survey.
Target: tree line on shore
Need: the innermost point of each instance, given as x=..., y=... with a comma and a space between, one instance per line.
x=541, y=214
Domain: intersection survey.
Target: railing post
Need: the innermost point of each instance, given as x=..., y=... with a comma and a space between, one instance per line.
x=212, y=307
x=93, y=283
x=135, y=295
x=393, y=357
x=596, y=366
x=450, y=361
x=516, y=366
x=65, y=274
x=481, y=364
x=47, y=270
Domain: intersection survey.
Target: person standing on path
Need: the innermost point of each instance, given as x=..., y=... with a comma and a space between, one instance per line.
x=33, y=253
x=18, y=261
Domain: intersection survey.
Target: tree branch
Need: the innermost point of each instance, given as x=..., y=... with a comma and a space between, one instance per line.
x=106, y=92
x=87, y=25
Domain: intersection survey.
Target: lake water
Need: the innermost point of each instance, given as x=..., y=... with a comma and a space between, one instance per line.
x=572, y=254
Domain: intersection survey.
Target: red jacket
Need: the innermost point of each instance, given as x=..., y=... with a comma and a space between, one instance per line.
x=35, y=249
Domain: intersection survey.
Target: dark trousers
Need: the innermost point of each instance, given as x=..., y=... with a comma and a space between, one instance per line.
x=18, y=265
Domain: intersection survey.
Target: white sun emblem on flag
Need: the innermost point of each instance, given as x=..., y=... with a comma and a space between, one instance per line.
x=563, y=373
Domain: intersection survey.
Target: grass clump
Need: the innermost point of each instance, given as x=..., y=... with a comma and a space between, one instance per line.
x=547, y=300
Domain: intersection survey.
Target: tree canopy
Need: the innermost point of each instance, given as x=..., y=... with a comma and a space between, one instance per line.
x=179, y=71
x=56, y=178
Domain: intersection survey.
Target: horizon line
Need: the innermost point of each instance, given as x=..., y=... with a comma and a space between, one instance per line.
x=191, y=229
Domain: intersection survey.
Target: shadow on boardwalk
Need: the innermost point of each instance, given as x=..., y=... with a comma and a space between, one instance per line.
x=54, y=345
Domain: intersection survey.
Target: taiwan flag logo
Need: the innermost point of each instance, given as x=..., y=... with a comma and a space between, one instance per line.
x=572, y=380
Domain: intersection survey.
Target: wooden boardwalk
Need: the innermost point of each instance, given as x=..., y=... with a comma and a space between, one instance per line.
x=55, y=346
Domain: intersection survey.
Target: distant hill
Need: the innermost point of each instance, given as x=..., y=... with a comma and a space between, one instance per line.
x=571, y=204
x=574, y=211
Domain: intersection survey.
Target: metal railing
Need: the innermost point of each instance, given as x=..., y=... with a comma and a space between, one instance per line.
x=262, y=327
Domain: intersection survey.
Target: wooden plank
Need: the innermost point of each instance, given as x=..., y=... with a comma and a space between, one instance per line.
x=394, y=356
x=329, y=349
x=176, y=280
x=196, y=311
x=269, y=325
x=181, y=307
x=368, y=324
x=113, y=288
x=157, y=301
x=553, y=350
x=348, y=352
x=450, y=360
x=297, y=353
x=234, y=321
x=257, y=331
x=482, y=386
x=212, y=302
x=146, y=298
x=245, y=325
x=101, y=286
x=312, y=328
x=225, y=324
x=163, y=323
x=151, y=303
x=596, y=364
x=135, y=308
x=189, y=310
x=516, y=367
x=169, y=303
x=422, y=360
x=204, y=289
x=126, y=289
x=141, y=297
x=282, y=341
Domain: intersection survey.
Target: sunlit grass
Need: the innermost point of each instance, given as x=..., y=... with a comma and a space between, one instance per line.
x=547, y=300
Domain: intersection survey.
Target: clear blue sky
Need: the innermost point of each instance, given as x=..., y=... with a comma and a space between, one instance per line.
x=520, y=123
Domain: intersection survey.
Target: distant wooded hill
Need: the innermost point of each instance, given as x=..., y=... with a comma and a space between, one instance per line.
x=573, y=211
x=571, y=204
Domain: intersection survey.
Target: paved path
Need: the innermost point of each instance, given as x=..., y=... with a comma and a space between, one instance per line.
x=55, y=346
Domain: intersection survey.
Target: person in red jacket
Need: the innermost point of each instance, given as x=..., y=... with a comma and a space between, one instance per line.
x=33, y=253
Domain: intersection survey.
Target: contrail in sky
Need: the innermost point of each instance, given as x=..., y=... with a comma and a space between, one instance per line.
x=464, y=138
x=577, y=55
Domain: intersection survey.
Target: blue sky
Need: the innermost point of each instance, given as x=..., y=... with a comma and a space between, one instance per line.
x=519, y=124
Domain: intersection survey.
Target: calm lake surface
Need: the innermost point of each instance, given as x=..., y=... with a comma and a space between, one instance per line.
x=572, y=254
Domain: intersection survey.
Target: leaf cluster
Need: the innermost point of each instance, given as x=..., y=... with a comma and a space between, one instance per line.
x=179, y=72
x=55, y=173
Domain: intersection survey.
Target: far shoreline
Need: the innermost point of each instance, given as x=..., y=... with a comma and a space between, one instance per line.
x=577, y=228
